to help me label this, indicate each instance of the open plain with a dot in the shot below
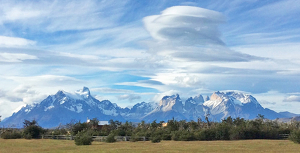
(65, 146)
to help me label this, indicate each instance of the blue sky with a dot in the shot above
(132, 51)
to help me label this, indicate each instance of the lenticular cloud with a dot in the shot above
(187, 25)
(190, 34)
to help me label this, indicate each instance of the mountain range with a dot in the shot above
(64, 107)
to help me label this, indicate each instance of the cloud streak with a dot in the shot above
(130, 97)
(292, 98)
(15, 41)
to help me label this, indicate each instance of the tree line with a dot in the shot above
(227, 129)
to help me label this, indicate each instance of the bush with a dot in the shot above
(134, 138)
(237, 133)
(183, 136)
(166, 136)
(155, 139)
(295, 136)
(32, 131)
(27, 136)
(110, 138)
(82, 138)
(78, 127)
(206, 134)
(222, 132)
(11, 135)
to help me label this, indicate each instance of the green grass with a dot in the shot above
(244, 146)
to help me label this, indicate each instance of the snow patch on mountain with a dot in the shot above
(50, 107)
(112, 112)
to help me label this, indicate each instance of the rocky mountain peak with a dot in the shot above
(170, 99)
(207, 98)
(198, 99)
(216, 96)
(171, 103)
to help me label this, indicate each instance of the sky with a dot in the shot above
(129, 51)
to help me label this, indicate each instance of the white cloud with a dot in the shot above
(292, 98)
(12, 57)
(278, 9)
(62, 15)
(146, 83)
(45, 80)
(14, 100)
(159, 96)
(111, 90)
(21, 14)
(185, 24)
(288, 51)
(15, 41)
(190, 33)
(80, 56)
(130, 97)
(276, 101)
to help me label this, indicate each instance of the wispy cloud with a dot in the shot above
(130, 97)
(44, 80)
(62, 15)
(292, 98)
(15, 41)
(111, 90)
(281, 8)
(12, 57)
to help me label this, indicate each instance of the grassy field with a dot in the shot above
(244, 146)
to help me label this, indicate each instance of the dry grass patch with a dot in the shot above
(65, 146)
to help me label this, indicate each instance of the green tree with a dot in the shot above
(32, 129)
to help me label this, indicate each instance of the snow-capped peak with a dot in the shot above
(237, 98)
(81, 94)
(85, 92)
(171, 103)
(241, 97)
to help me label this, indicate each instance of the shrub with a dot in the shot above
(175, 135)
(78, 127)
(186, 136)
(237, 133)
(295, 136)
(110, 138)
(11, 135)
(206, 134)
(134, 138)
(32, 131)
(27, 136)
(155, 139)
(83, 138)
(222, 132)
(183, 136)
(166, 136)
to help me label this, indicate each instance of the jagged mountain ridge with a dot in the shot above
(220, 105)
(64, 107)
